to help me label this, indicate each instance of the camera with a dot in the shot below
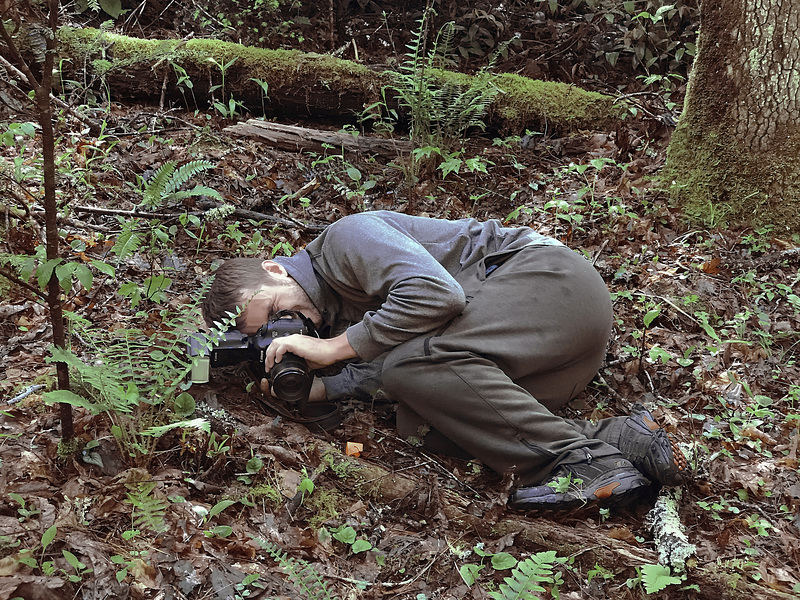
(290, 379)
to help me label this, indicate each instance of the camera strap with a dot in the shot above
(326, 416)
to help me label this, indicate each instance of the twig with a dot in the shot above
(11, 277)
(126, 213)
(249, 214)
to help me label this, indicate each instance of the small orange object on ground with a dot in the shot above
(353, 449)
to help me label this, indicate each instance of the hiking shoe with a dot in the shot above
(599, 481)
(650, 449)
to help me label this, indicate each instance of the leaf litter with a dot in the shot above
(702, 334)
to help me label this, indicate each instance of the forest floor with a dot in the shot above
(706, 334)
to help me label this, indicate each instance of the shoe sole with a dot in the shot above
(602, 497)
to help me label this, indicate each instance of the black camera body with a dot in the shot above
(290, 379)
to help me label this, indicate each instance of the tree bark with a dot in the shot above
(732, 158)
(42, 87)
(300, 84)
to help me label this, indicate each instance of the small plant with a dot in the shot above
(441, 108)
(164, 186)
(148, 508)
(133, 377)
(528, 576)
(349, 537)
(300, 572)
(653, 578)
(562, 485)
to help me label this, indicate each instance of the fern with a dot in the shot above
(527, 576)
(441, 109)
(164, 186)
(148, 509)
(301, 573)
(155, 188)
(128, 241)
(186, 172)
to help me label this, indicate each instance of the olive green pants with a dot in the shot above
(533, 334)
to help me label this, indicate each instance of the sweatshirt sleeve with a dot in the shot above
(358, 380)
(364, 258)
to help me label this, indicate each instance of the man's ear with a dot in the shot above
(273, 268)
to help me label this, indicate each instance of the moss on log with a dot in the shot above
(301, 83)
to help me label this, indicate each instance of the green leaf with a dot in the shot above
(345, 534)
(159, 430)
(222, 531)
(651, 315)
(184, 405)
(219, 507)
(503, 560)
(656, 577)
(45, 271)
(254, 465)
(84, 275)
(64, 275)
(73, 560)
(67, 397)
(112, 7)
(17, 498)
(49, 536)
(451, 165)
(470, 573)
(360, 546)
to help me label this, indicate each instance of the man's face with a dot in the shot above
(258, 309)
(286, 295)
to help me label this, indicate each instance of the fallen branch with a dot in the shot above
(297, 139)
(671, 539)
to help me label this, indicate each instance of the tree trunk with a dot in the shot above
(42, 88)
(196, 73)
(733, 156)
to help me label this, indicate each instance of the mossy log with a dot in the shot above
(589, 547)
(188, 72)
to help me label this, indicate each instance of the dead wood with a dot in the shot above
(298, 139)
(299, 84)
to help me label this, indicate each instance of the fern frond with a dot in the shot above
(128, 241)
(185, 173)
(156, 186)
(526, 577)
(148, 509)
(301, 573)
(103, 386)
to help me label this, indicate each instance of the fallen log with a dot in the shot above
(297, 139)
(160, 71)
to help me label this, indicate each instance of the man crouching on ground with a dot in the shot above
(479, 331)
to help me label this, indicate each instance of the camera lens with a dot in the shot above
(290, 379)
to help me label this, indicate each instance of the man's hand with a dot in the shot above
(317, 352)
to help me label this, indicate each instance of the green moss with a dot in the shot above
(265, 493)
(326, 505)
(256, 62)
(526, 99)
(523, 103)
(717, 183)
